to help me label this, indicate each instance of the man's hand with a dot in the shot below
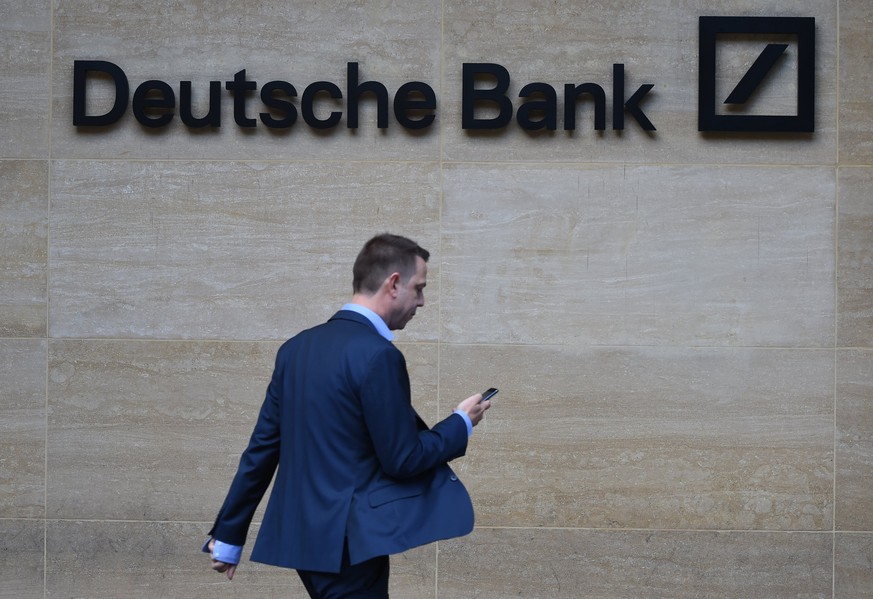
(221, 566)
(474, 409)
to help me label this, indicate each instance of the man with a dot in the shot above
(360, 476)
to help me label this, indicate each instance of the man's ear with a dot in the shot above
(392, 284)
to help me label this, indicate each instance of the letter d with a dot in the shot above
(122, 92)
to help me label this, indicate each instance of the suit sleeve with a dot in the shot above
(403, 448)
(256, 468)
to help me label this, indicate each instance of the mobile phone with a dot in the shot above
(488, 394)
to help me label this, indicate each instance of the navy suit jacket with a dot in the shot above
(352, 459)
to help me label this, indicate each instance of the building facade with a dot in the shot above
(680, 321)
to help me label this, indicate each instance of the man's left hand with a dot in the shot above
(221, 566)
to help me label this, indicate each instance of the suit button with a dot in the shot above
(453, 477)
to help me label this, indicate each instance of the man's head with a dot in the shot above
(390, 274)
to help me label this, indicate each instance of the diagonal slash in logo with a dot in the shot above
(756, 73)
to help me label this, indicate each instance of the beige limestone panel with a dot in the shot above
(855, 259)
(235, 250)
(853, 566)
(638, 255)
(668, 438)
(153, 430)
(856, 83)
(565, 42)
(149, 430)
(94, 559)
(422, 362)
(298, 42)
(22, 559)
(25, 61)
(497, 563)
(854, 419)
(22, 428)
(23, 248)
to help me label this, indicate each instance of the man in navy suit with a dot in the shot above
(358, 474)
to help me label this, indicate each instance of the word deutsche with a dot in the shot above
(154, 101)
(414, 104)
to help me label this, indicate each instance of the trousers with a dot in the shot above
(367, 580)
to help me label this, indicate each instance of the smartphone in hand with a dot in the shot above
(488, 394)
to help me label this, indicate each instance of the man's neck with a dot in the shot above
(373, 317)
(370, 302)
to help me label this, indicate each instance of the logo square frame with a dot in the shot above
(802, 27)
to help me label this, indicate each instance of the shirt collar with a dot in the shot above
(377, 321)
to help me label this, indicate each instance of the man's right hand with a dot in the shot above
(474, 407)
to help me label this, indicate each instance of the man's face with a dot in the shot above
(410, 296)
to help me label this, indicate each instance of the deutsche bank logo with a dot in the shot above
(765, 47)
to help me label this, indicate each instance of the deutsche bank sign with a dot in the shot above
(789, 31)
(768, 45)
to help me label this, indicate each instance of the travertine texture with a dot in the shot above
(625, 255)
(23, 247)
(145, 418)
(853, 576)
(25, 68)
(22, 428)
(680, 323)
(22, 550)
(658, 564)
(854, 434)
(226, 250)
(22, 468)
(103, 550)
(855, 257)
(645, 437)
(856, 81)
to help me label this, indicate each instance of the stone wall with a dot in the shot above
(680, 323)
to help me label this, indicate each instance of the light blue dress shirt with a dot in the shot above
(230, 554)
